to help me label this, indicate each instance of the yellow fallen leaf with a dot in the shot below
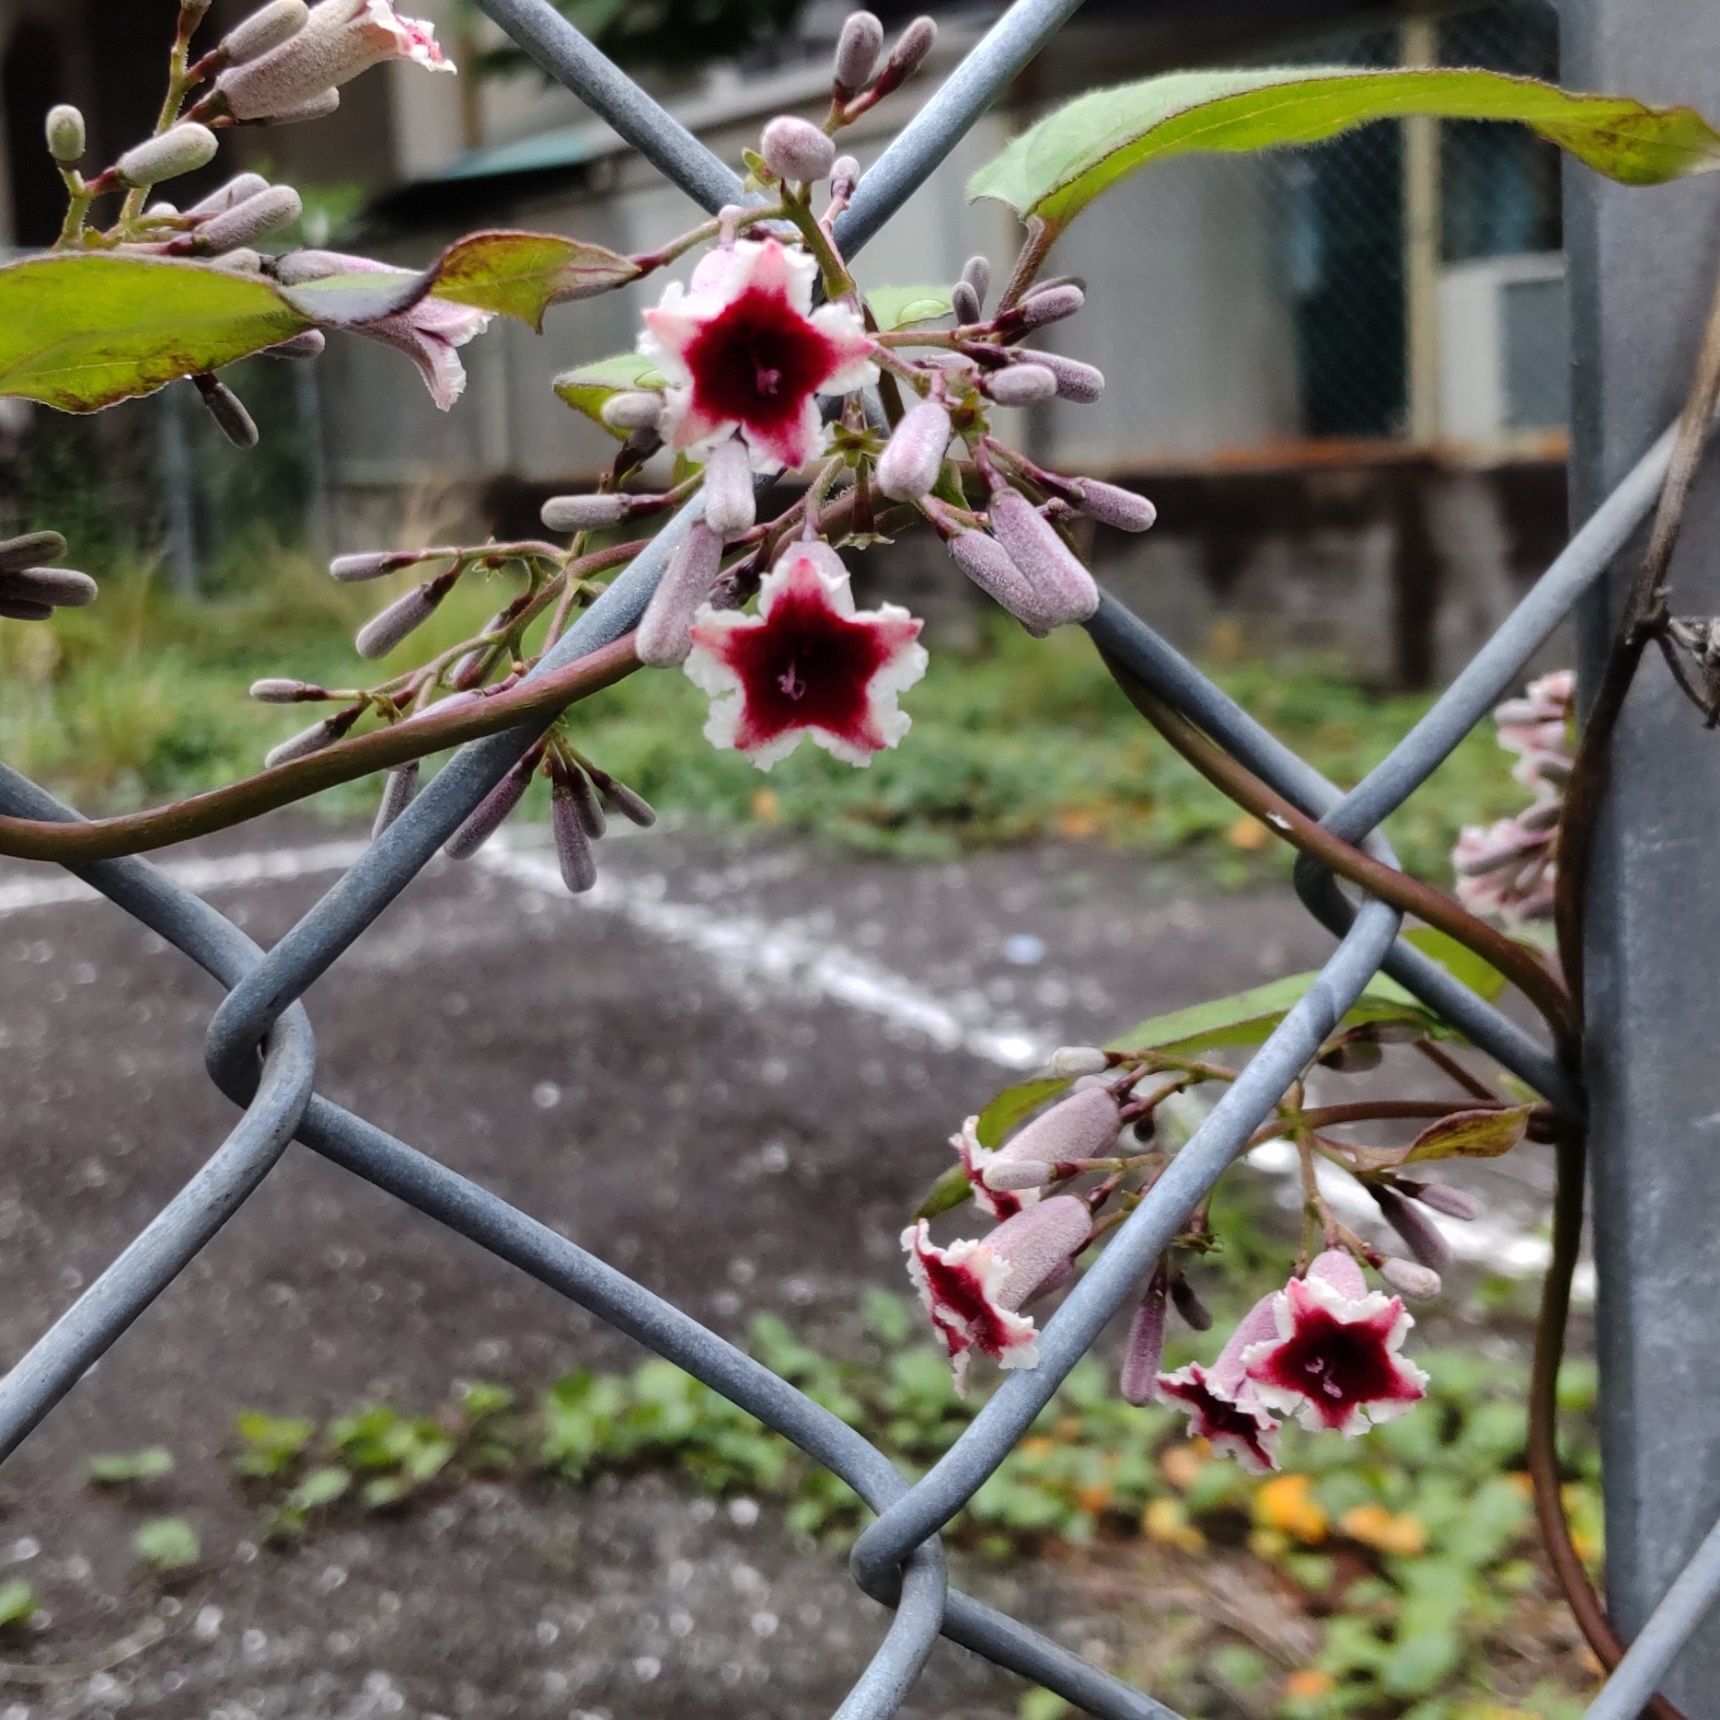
(1165, 1520)
(1248, 834)
(1307, 1681)
(1182, 1465)
(1374, 1526)
(1286, 1503)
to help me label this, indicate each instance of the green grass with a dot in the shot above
(141, 698)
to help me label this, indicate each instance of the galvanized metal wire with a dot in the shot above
(261, 1052)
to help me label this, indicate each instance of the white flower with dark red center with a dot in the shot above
(340, 39)
(1000, 1203)
(1221, 1403)
(744, 350)
(429, 332)
(974, 1289)
(1333, 1361)
(808, 665)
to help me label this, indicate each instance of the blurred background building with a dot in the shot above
(1341, 372)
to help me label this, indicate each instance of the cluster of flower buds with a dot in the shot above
(863, 74)
(30, 588)
(1509, 869)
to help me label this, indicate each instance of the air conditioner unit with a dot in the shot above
(1503, 354)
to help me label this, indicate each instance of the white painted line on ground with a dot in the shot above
(217, 872)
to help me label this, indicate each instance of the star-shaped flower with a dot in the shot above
(974, 1289)
(1334, 1362)
(744, 349)
(807, 665)
(1221, 1403)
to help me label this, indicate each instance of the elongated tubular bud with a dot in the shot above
(316, 107)
(1021, 385)
(910, 50)
(1411, 1278)
(280, 690)
(665, 633)
(228, 411)
(65, 130)
(572, 839)
(1083, 1126)
(1074, 1060)
(1049, 305)
(1442, 1197)
(1194, 1312)
(796, 149)
(583, 513)
(1112, 505)
(384, 630)
(964, 301)
(857, 51)
(633, 409)
(976, 272)
(309, 344)
(1420, 1234)
(1062, 588)
(398, 789)
(986, 562)
(266, 28)
(180, 149)
(58, 587)
(623, 801)
(914, 455)
(228, 196)
(1076, 381)
(279, 206)
(374, 563)
(487, 818)
(730, 508)
(307, 741)
(583, 793)
(1144, 1349)
(29, 549)
(22, 609)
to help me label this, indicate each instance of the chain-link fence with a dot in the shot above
(260, 1049)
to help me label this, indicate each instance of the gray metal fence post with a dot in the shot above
(1642, 264)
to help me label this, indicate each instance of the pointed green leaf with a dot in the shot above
(1057, 167)
(1471, 1135)
(167, 1543)
(17, 1601)
(1458, 960)
(523, 274)
(947, 1193)
(1014, 1104)
(82, 332)
(897, 307)
(589, 386)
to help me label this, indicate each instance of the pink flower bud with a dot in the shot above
(228, 411)
(278, 206)
(729, 503)
(182, 148)
(370, 564)
(1074, 1060)
(31, 547)
(21, 609)
(964, 301)
(914, 456)
(1063, 590)
(1442, 1197)
(1112, 505)
(844, 174)
(583, 792)
(398, 789)
(665, 634)
(1411, 1279)
(493, 809)
(1420, 1234)
(235, 191)
(1194, 1313)
(857, 51)
(633, 409)
(1081, 383)
(305, 742)
(795, 149)
(572, 840)
(58, 587)
(278, 690)
(582, 513)
(319, 106)
(1021, 385)
(912, 46)
(623, 801)
(976, 274)
(266, 28)
(1049, 305)
(986, 562)
(384, 630)
(1144, 1349)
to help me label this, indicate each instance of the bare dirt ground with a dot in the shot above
(706, 1073)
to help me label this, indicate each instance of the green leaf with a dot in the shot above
(1057, 167)
(351, 301)
(321, 1487)
(17, 1601)
(118, 1468)
(82, 332)
(1471, 1135)
(1458, 960)
(897, 307)
(588, 387)
(167, 1544)
(522, 274)
(1014, 1104)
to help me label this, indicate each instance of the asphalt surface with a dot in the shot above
(728, 1071)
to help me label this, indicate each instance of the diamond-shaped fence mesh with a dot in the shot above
(261, 1052)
